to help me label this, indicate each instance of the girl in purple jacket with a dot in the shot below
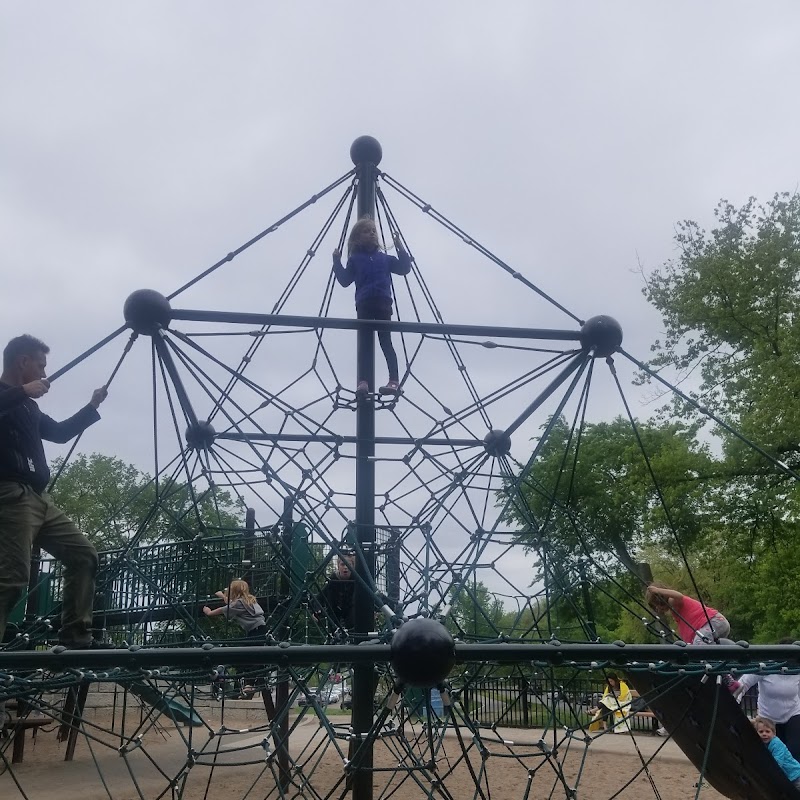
(371, 270)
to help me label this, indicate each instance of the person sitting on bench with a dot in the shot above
(615, 705)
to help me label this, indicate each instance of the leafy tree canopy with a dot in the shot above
(111, 501)
(475, 612)
(730, 304)
(595, 495)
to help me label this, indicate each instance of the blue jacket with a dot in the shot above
(786, 761)
(372, 273)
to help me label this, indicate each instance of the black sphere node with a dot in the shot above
(200, 435)
(602, 333)
(423, 652)
(147, 311)
(497, 443)
(366, 150)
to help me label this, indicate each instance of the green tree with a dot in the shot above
(115, 504)
(596, 496)
(104, 497)
(112, 501)
(475, 613)
(730, 304)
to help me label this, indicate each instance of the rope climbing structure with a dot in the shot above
(460, 617)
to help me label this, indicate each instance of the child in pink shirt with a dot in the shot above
(697, 623)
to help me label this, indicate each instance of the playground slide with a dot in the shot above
(166, 705)
(711, 728)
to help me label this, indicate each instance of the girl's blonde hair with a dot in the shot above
(767, 723)
(239, 590)
(656, 601)
(364, 236)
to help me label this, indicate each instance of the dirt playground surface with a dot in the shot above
(234, 766)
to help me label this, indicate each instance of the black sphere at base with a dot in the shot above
(497, 443)
(366, 150)
(423, 652)
(602, 334)
(200, 435)
(146, 311)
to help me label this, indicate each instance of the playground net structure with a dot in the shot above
(269, 466)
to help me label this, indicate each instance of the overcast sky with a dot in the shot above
(140, 142)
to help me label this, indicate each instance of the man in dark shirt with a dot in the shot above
(336, 599)
(27, 513)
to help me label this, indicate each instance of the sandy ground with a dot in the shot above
(233, 764)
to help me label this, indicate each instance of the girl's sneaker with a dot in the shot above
(392, 387)
(362, 388)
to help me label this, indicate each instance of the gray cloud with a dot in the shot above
(140, 143)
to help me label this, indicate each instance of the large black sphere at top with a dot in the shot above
(497, 443)
(146, 311)
(366, 150)
(423, 652)
(601, 334)
(200, 435)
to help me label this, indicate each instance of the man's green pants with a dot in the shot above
(28, 519)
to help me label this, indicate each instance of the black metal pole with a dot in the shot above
(366, 154)
(643, 657)
(166, 359)
(393, 550)
(401, 326)
(578, 360)
(591, 628)
(32, 604)
(249, 545)
(330, 438)
(282, 678)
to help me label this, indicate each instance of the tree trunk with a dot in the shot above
(641, 570)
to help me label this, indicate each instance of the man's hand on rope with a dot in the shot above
(36, 389)
(98, 395)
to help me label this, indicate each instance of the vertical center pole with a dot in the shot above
(591, 628)
(249, 540)
(366, 155)
(282, 678)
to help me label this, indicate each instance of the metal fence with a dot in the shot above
(155, 593)
(521, 702)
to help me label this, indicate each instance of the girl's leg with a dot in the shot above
(385, 339)
(364, 311)
(384, 311)
(258, 683)
(718, 628)
(706, 634)
(603, 715)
